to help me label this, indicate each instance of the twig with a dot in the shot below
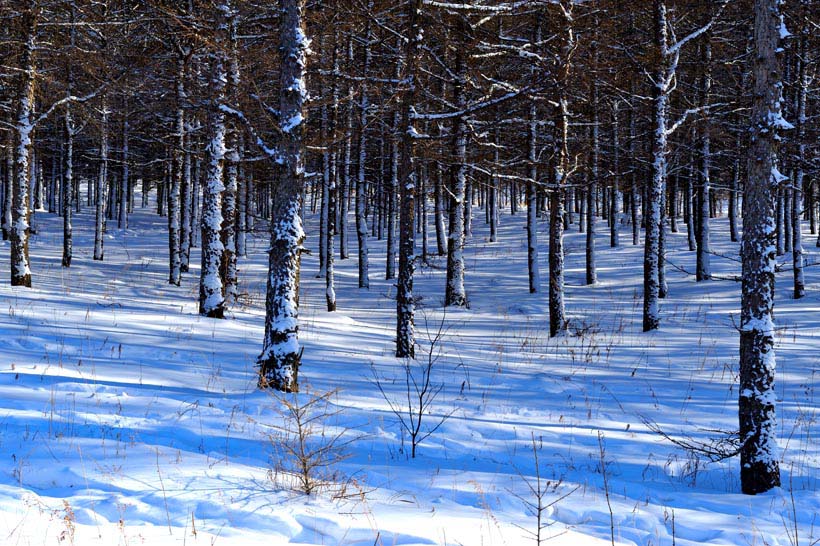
(602, 454)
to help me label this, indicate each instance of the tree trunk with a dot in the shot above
(186, 214)
(591, 270)
(177, 180)
(21, 208)
(67, 187)
(703, 268)
(617, 194)
(361, 178)
(455, 294)
(635, 191)
(8, 185)
(759, 468)
(734, 189)
(211, 296)
(797, 198)
(125, 180)
(281, 354)
(228, 267)
(664, 78)
(560, 173)
(405, 304)
(441, 230)
(101, 191)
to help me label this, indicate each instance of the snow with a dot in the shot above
(776, 120)
(292, 122)
(127, 418)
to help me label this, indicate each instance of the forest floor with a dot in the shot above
(126, 418)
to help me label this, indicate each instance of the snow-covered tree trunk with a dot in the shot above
(242, 198)
(228, 267)
(439, 207)
(592, 189)
(125, 174)
(324, 209)
(407, 91)
(689, 210)
(803, 82)
(780, 222)
(759, 467)
(468, 208)
(211, 296)
(361, 177)
(560, 171)
(177, 180)
(332, 177)
(424, 211)
(703, 267)
(281, 352)
(787, 215)
(492, 194)
(53, 184)
(101, 185)
(734, 190)
(346, 179)
(67, 188)
(672, 200)
(20, 205)
(635, 189)
(390, 198)
(330, 279)
(187, 202)
(663, 286)
(532, 203)
(664, 80)
(8, 185)
(616, 203)
(455, 293)
(196, 202)
(582, 209)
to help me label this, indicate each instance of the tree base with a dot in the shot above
(280, 374)
(21, 280)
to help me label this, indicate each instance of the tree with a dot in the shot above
(281, 354)
(24, 126)
(561, 168)
(408, 87)
(211, 296)
(759, 468)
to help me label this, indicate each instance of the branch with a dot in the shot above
(272, 153)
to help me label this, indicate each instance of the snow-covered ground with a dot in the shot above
(126, 418)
